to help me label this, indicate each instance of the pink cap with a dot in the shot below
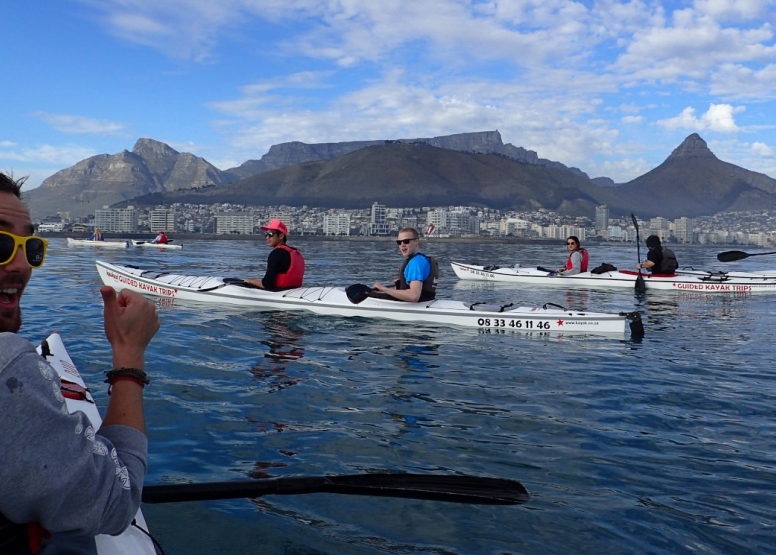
(276, 225)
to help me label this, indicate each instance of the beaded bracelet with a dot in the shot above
(125, 372)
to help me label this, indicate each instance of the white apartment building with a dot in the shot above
(378, 224)
(564, 231)
(336, 224)
(116, 220)
(241, 223)
(162, 219)
(453, 222)
(601, 218)
(683, 230)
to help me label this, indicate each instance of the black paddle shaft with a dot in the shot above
(640, 285)
(455, 489)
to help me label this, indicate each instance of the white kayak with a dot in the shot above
(353, 301)
(167, 246)
(133, 541)
(682, 281)
(100, 244)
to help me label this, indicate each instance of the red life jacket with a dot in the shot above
(295, 274)
(585, 258)
(162, 239)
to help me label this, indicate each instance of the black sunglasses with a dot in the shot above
(34, 248)
(270, 234)
(405, 241)
(571, 243)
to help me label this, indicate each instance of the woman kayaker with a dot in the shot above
(285, 265)
(160, 239)
(577, 260)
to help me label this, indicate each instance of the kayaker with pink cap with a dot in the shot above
(285, 265)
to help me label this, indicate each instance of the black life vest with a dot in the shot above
(669, 263)
(428, 292)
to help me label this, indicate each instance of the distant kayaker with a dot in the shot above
(97, 236)
(285, 265)
(60, 475)
(160, 239)
(660, 259)
(418, 274)
(578, 258)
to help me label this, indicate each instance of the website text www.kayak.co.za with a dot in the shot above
(142, 286)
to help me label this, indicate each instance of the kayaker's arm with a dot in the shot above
(411, 295)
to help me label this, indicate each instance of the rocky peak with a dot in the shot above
(692, 147)
(149, 148)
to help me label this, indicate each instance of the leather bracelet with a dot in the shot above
(126, 372)
(123, 378)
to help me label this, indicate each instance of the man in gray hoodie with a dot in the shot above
(58, 476)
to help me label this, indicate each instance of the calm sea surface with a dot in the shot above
(664, 445)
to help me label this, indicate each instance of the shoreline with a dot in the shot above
(180, 238)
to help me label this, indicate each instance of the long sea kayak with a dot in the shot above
(688, 280)
(134, 540)
(354, 301)
(149, 244)
(97, 244)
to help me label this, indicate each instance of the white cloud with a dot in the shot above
(76, 125)
(719, 117)
(761, 149)
(632, 119)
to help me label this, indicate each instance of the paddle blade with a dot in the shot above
(455, 489)
(640, 285)
(732, 256)
(357, 292)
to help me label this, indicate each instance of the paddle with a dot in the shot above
(455, 489)
(357, 292)
(140, 242)
(732, 256)
(640, 285)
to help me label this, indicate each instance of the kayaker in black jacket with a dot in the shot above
(660, 259)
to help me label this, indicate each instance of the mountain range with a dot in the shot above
(472, 169)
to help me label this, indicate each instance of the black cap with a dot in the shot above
(653, 241)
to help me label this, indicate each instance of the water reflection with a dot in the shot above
(283, 341)
(414, 385)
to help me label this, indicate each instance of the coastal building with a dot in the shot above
(116, 220)
(162, 219)
(336, 224)
(237, 223)
(378, 224)
(601, 217)
(683, 230)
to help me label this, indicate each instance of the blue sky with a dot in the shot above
(609, 87)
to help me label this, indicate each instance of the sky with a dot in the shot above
(608, 87)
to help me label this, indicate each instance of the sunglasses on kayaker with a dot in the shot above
(34, 248)
(405, 241)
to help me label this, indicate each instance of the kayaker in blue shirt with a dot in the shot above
(418, 275)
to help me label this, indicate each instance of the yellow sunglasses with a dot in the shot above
(34, 248)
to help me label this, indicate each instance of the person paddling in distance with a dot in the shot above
(418, 274)
(97, 236)
(660, 259)
(160, 239)
(61, 480)
(285, 264)
(578, 258)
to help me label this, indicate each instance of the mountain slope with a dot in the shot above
(106, 179)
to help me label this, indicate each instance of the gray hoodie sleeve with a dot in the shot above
(55, 468)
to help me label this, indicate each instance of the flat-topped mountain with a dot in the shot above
(407, 174)
(482, 142)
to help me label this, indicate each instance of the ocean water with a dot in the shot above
(660, 445)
